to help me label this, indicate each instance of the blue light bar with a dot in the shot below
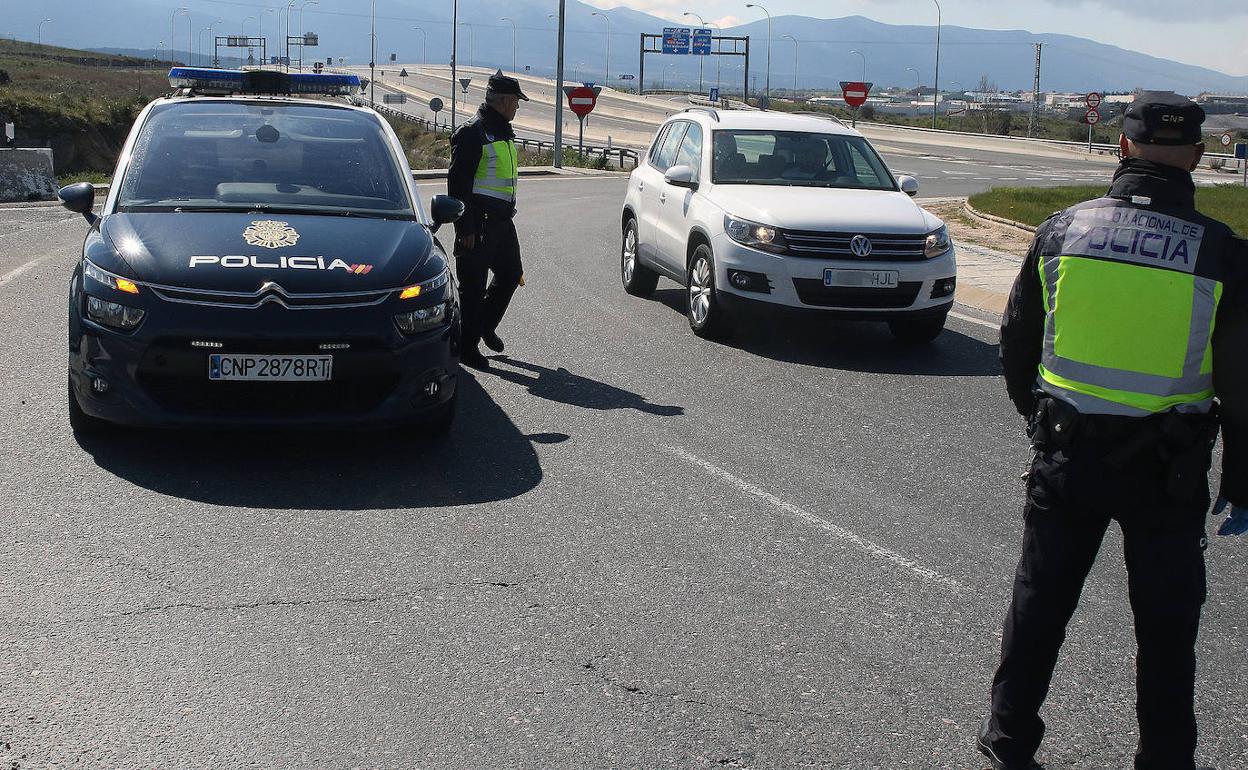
(205, 80)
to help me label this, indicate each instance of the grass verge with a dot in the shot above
(1032, 205)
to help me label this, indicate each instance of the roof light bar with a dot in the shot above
(204, 80)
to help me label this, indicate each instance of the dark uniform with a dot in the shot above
(483, 175)
(1124, 345)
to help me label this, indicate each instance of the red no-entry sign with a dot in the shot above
(855, 94)
(1093, 117)
(582, 99)
(1093, 99)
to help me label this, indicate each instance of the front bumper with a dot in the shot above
(157, 378)
(797, 284)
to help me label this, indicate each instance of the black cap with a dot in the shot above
(1163, 117)
(501, 84)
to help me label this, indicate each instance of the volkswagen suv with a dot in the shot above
(781, 212)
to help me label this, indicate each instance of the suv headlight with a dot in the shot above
(102, 276)
(421, 319)
(937, 243)
(753, 234)
(112, 314)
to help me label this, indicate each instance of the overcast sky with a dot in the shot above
(1210, 33)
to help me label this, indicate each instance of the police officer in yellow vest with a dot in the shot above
(1125, 343)
(483, 175)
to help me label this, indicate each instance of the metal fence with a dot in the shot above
(617, 157)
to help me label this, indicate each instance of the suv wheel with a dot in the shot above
(638, 279)
(706, 315)
(918, 331)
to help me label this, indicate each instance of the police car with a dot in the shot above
(771, 212)
(262, 259)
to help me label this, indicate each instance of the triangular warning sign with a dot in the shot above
(403, 73)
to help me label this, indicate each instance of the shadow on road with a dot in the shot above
(484, 459)
(852, 345)
(567, 388)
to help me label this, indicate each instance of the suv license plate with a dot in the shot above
(257, 367)
(871, 279)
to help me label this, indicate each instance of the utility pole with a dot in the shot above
(559, 86)
(936, 76)
(1035, 95)
(454, 57)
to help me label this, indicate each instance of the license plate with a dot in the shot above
(871, 279)
(257, 367)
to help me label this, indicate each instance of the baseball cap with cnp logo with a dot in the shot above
(1163, 117)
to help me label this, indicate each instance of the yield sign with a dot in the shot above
(582, 99)
(464, 83)
(855, 94)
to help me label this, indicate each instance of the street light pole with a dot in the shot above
(424, 44)
(372, 58)
(454, 57)
(918, 89)
(864, 64)
(767, 82)
(173, 17)
(265, 47)
(306, 3)
(936, 77)
(559, 85)
(796, 61)
(606, 18)
(290, 5)
(39, 32)
(472, 44)
(513, 42)
(213, 40)
(701, 21)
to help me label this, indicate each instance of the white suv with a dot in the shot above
(774, 211)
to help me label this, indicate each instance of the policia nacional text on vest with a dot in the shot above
(1125, 344)
(483, 174)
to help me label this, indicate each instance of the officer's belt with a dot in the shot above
(1058, 425)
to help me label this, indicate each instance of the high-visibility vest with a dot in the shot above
(497, 171)
(1129, 322)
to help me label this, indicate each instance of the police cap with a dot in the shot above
(501, 84)
(1163, 117)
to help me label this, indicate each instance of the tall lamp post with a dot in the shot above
(607, 19)
(213, 41)
(289, 5)
(424, 44)
(513, 42)
(172, 18)
(266, 42)
(306, 3)
(372, 57)
(767, 82)
(918, 88)
(936, 78)
(701, 21)
(864, 64)
(472, 45)
(242, 32)
(796, 61)
(39, 31)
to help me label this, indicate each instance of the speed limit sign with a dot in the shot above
(1093, 99)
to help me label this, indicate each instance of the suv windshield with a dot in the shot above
(221, 155)
(798, 159)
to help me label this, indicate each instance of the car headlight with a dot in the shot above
(105, 278)
(423, 288)
(112, 314)
(753, 234)
(937, 243)
(421, 319)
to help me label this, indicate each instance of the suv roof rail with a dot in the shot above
(824, 115)
(714, 113)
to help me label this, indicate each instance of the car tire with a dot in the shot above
(919, 331)
(638, 279)
(439, 424)
(707, 318)
(81, 423)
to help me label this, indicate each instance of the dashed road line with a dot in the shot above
(9, 276)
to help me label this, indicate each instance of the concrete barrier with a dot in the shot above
(26, 175)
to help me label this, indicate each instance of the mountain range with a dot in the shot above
(894, 54)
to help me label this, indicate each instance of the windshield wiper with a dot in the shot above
(265, 209)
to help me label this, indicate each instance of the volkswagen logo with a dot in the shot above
(860, 245)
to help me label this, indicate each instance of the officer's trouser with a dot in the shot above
(1072, 496)
(498, 250)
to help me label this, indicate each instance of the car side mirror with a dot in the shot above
(445, 210)
(909, 185)
(80, 199)
(681, 176)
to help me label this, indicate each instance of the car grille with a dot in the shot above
(271, 292)
(175, 375)
(811, 291)
(885, 247)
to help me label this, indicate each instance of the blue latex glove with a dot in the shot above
(1236, 522)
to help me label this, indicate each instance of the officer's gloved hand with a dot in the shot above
(1236, 522)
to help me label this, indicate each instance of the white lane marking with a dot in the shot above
(974, 320)
(868, 547)
(9, 276)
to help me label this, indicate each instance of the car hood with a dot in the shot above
(824, 209)
(223, 251)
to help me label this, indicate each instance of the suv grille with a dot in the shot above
(885, 247)
(811, 291)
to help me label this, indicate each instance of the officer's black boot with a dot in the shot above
(981, 743)
(493, 341)
(473, 358)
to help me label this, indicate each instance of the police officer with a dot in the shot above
(1123, 343)
(483, 176)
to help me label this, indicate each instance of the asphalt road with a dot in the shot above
(637, 549)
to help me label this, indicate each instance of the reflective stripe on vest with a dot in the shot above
(1128, 324)
(496, 173)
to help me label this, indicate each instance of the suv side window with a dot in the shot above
(658, 142)
(664, 158)
(690, 153)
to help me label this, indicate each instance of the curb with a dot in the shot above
(996, 219)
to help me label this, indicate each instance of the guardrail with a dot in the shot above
(619, 156)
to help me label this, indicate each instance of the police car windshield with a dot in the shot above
(797, 159)
(213, 154)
